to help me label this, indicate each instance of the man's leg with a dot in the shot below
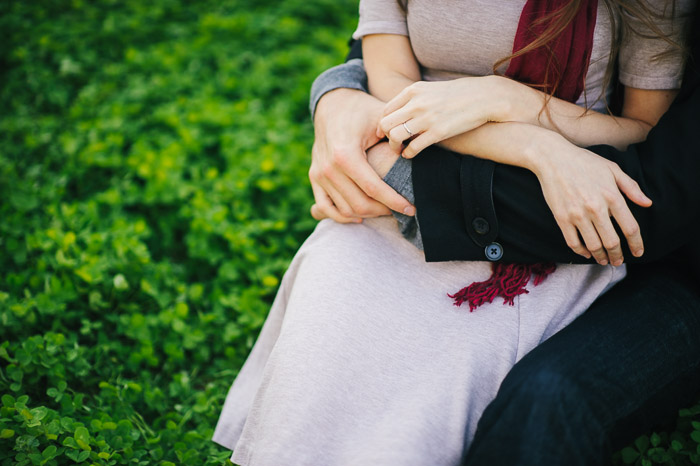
(630, 361)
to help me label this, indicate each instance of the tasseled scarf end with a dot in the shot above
(506, 281)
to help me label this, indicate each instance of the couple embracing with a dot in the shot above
(466, 298)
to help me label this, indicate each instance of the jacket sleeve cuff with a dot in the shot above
(399, 177)
(350, 75)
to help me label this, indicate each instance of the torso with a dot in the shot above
(453, 39)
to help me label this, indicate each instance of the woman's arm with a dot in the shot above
(390, 64)
(641, 110)
(582, 190)
(439, 111)
(665, 166)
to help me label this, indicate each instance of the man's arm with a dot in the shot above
(453, 191)
(344, 112)
(345, 187)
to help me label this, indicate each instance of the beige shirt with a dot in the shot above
(457, 38)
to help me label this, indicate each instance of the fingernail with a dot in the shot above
(603, 262)
(618, 262)
(638, 253)
(410, 211)
(358, 220)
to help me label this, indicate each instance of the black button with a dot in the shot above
(493, 251)
(481, 226)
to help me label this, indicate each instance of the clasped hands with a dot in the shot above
(582, 189)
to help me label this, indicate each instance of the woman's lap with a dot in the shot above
(365, 359)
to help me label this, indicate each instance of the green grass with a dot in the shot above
(153, 160)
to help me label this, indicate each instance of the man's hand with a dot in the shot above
(584, 192)
(346, 188)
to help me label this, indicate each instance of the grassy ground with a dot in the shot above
(153, 160)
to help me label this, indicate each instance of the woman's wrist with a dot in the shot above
(515, 102)
(503, 107)
(539, 147)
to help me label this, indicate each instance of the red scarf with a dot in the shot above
(571, 50)
(571, 54)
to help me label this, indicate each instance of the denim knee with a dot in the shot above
(547, 390)
(542, 415)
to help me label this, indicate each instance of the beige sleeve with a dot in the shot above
(381, 17)
(648, 61)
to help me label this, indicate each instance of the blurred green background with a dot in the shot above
(153, 186)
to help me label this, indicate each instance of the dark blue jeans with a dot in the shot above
(628, 363)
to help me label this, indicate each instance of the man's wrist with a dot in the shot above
(330, 100)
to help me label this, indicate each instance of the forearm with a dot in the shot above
(390, 64)
(388, 85)
(511, 143)
(585, 127)
(665, 166)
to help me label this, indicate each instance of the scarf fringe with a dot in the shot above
(506, 281)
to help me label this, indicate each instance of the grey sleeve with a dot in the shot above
(349, 75)
(400, 178)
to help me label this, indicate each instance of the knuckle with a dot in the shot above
(573, 244)
(372, 190)
(612, 244)
(575, 216)
(345, 211)
(598, 253)
(319, 213)
(313, 174)
(340, 157)
(610, 196)
(595, 246)
(632, 230)
(617, 202)
(364, 209)
(591, 206)
(328, 172)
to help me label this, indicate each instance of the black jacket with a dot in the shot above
(465, 204)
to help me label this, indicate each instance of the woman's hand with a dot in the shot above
(584, 191)
(429, 112)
